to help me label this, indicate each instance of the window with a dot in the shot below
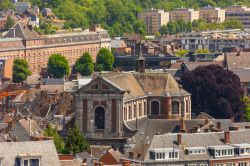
(173, 155)
(224, 152)
(155, 108)
(203, 164)
(175, 107)
(218, 164)
(27, 162)
(191, 164)
(230, 164)
(187, 106)
(129, 112)
(135, 111)
(242, 164)
(140, 109)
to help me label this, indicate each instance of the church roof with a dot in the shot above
(146, 84)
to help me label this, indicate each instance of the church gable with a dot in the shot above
(100, 85)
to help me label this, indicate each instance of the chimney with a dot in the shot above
(218, 125)
(227, 137)
(182, 125)
(179, 142)
(126, 163)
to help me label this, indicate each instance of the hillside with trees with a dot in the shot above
(118, 16)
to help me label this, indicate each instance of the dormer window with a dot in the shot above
(164, 154)
(222, 151)
(28, 160)
(242, 149)
(196, 150)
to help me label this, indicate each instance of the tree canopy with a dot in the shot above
(20, 70)
(58, 140)
(75, 141)
(104, 60)
(9, 23)
(118, 16)
(180, 53)
(215, 91)
(58, 66)
(246, 101)
(84, 65)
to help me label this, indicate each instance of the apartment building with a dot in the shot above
(183, 14)
(212, 14)
(23, 42)
(154, 19)
(241, 13)
(215, 41)
(224, 148)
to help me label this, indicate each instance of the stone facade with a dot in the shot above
(107, 103)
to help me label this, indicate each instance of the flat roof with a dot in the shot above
(221, 147)
(244, 145)
(165, 150)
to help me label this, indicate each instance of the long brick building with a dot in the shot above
(22, 41)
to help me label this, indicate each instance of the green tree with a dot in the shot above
(180, 53)
(105, 60)
(58, 140)
(20, 70)
(164, 30)
(10, 22)
(75, 141)
(246, 101)
(5, 4)
(232, 24)
(203, 51)
(84, 65)
(58, 66)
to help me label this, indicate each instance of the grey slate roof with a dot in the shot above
(45, 149)
(21, 30)
(244, 74)
(150, 127)
(53, 81)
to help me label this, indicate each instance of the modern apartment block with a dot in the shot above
(154, 19)
(241, 13)
(212, 14)
(184, 14)
(23, 42)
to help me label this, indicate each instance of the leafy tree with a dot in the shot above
(84, 65)
(246, 101)
(58, 140)
(20, 70)
(5, 4)
(164, 30)
(215, 91)
(75, 141)
(10, 22)
(58, 66)
(232, 24)
(203, 51)
(105, 60)
(180, 53)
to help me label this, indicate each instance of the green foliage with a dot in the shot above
(46, 28)
(20, 70)
(180, 53)
(5, 4)
(232, 24)
(10, 22)
(246, 101)
(84, 65)
(104, 60)
(202, 51)
(58, 140)
(120, 16)
(58, 66)
(75, 141)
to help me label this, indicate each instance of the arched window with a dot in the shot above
(187, 106)
(140, 109)
(175, 107)
(135, 111)
(129, 112)
(99, 117)
(155, 108)
(145, 108)
(125, 113)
